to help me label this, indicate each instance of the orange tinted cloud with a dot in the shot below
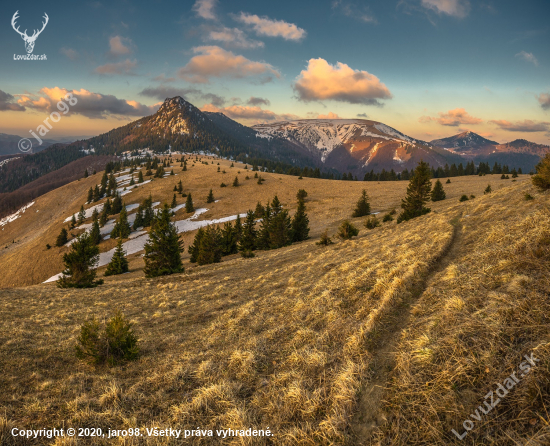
(329, 115)
(544, 100)
(125, 67)
(340, 82)
(214, 61)
(453, 118)
(522, 126)
(272, 28)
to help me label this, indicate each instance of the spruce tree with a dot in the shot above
(73, 221)
(210, 198)
(180, 187)
(210, 247)
(418, 193)
(62, 238)
(279, 226)
(80, 264)
(260, 210)
(132, 181)
(119, 262)
(438, 193)
(95, 233)
(238, 228)
(140, 177)
(363, 207)
(189, 204)
(81, 215)
(95, 215)
(228, 240)
(301, 195)
(86, 173)
(542, 179)
(117, 205)
(247, 243)
(164, 248)
(104, 217)
(96, 195)
(122, 227)
(236, 182)
(346, 230)
(488, 190)
(300, 222)
(174, 202)
(194, 248)
(90, 195)
(262, 241)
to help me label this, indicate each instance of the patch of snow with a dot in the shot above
(15, 215)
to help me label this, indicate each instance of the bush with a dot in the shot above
(393, 211)
(347, 230)
(448, 181)
(223, 185)
(247, 254)
(488, 190)
(372, 222)
(387, 217)
(325, 240)
(472, 197)
(463, 198)
(528, 197)
(113, 343)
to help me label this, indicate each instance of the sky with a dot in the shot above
(429, 68)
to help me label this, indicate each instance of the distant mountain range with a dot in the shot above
(8, 143)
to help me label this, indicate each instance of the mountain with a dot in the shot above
(473, 147)
(8, 144)
(354, 145)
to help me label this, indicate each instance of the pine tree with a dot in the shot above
(236, 182)
(95, 215)
(95, 233)
(346, 230)
(81, 215)
(279, 226)
(448, 181)
(90, 195)
(325, 240)
(140, 177)
(438, 193)
(300, 222)
(122, 227)
(488, 190)
(104, 217)
(210, 198)
(194, 248)
(119, 262)
(86, 173)
(301, 195)
(363, 207)
(62, 238)
(189, 204)
(418, 194)
(116, 206)
(73, 221)
(96, 195)
(247, 243)
(210, 248)
(228, 240)
(164, 248)
(542, 179)
(180, 187)
(262, 241)
(132, 181)
(238, 228)
(174, 202)
(80, 264)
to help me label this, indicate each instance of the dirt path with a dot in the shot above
(369, 414)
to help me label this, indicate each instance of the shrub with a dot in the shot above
(528, 197)
(48, 246)
(448, 181)
(463, 198)
(372, 222)
(488, 190)
(472, 197)
(223, 185)
(113, 343)
(62, 238)
(393, 211)
(347, 230)
(387, 217)
(325, 240)
(247, 254)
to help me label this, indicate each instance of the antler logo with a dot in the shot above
(29, 40)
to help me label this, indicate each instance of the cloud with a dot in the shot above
(89, 104)
(453, 118)
(454, 8)
(339, 82)
(125, 67)
(7, 103)
(189, 94)
(354, 11)
(249, 115)
(162, 78)
(528, 57)
(119, 46)
(257, 101)
(544, 100)
(272, 28)
(362, 115)
(69, 53)
(214, 61)
(233, 37)
(527, 126)
(205, 9)
(329, 115)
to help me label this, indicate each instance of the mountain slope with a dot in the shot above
(464, 141)
(356, 145)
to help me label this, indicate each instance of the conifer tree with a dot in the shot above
(247, 243)
(301, 195)
(363, 206)
(488, 190)
(210, 198)
(238, 228)
(542, 179)
(236, 182)
(90, 195)
(132, 181)
(140, 177)
(325, 240)
(81, 215)
(164, 248)
(180, 187)
(260, 210)
(62, 238)
(448, 181)
(418, 194)
(228, 239)
(279, 226)
(116, 206)
(95, 215)
(96, 195)
(262, 241)
(174, 202)
(80, 264)
(104, 180)
(86, 173)
(122, 227)
(194, 248)
(189, 204)
(95, 233)
(73, 221)
(438, 193)
(300, 222)
(104, 217)
(346, 230)
(119, 262)
(210, 248)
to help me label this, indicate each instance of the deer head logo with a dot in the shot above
(29, 40)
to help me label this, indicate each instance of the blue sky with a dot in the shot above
(430, 68)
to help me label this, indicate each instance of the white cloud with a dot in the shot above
(272, 28)
(205, 9)
(354, 11)
(119, 46)
(453, 118)
(455, 8)
(233, 37)
(528, 57)
(213, 61)
(125, 67)
(321, 81)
